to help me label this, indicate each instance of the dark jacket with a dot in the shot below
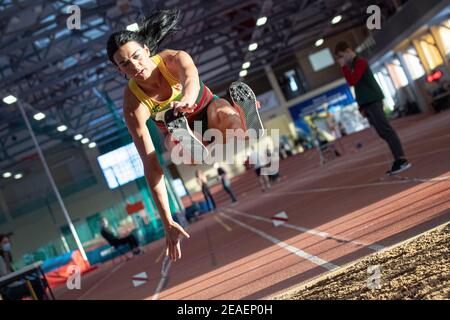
(109, 236)
(359, 75)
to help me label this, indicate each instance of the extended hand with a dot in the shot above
(173, 233)
(182, 106)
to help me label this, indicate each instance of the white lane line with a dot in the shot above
(164, 278)
(223, 224)
(437, 179)
(356, 186)
(316, 260)
(326, 235)
(339, 166)
(379, 163)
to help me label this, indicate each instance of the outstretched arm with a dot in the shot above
(181, 64)
(188, 75)
(136, 116)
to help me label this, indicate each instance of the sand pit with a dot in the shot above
(418, 268)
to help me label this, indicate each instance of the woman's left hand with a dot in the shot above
(183, 106)
(173, 233)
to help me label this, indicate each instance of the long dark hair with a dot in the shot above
(152, 31)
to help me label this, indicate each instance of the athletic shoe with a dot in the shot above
(399, 166)
(178, 127)
(244, 101)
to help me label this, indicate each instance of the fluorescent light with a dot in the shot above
(85, 140)
(78, 137)
(246, 65)
(336, 19)
(261, 21)
(243, 73)
(133, 27)
(39, 116)
(9, 99)
(319, 42)
(18, 176)
(7, 174)
(253, 47)
(92, 145)
(62, 128)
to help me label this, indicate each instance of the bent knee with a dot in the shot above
(221, 109)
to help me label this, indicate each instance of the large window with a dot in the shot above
(397, 74)
(413, 63)
(430, 51)
(291, 84)
(444, 32)
(321, 60)
(385, 82)
(290, 78)
(290, 75)
(121, 166)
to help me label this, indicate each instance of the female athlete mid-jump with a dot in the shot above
(164, 86)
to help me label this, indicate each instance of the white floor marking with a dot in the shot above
(325, 235)
(316, 260)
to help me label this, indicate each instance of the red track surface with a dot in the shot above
(233, 256)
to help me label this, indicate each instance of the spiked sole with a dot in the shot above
(244, 98)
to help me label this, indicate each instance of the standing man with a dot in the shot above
(370, 100)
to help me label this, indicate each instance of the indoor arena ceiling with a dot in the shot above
(65, 74)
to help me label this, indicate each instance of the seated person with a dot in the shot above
(115, 241)
(18, 289)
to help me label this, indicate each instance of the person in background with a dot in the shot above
(342, 129)
(226, 183)
(271, 155)
(115, 241)
(285, 148)
(440, 94)
(203, 182)
(333, 126)
(18, 289)
(370, 100)
(257, 161)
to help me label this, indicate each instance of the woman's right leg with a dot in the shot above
(240, 118)
(222, 116)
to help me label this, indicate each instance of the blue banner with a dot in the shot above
(338, 97)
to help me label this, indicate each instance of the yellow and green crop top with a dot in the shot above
(205, 96)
